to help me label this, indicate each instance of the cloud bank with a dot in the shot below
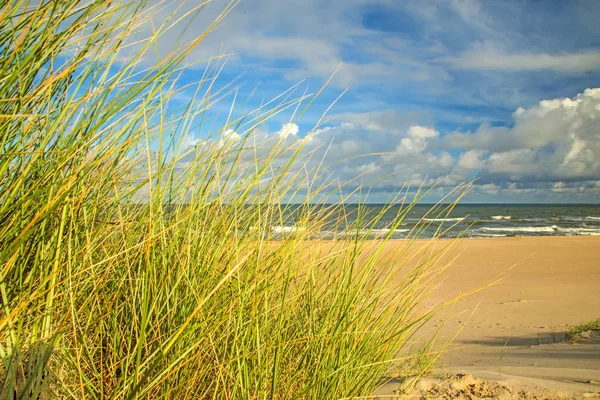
(552, 148)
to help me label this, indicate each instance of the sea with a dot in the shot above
(464, 220)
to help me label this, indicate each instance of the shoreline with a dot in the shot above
(559, 237)
(424, 239)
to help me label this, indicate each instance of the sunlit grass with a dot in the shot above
(136, 267)
(575, 332)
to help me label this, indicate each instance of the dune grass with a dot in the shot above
(134, 266)
(575, 332)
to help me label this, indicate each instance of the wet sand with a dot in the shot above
(511, 333)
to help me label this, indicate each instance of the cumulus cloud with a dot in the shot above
(229, 136)
(416, 140)
(557, 139)
(288, 129)
(471, 159)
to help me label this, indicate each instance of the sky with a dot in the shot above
(436, 91)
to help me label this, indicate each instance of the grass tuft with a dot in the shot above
(137, 264)
(575, 332)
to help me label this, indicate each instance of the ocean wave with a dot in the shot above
(375, 232)
(543, 229)
(327, 234)
(581, 231)
(287, 229)
(444, 219)
(572, 219)
(530, 229)
(500, 217)
(577, 219)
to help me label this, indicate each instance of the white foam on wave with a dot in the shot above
(386, 230)
(327, 234)
(578, 219)
(376, 232)
(546, 229)
(287, 229)
(582, 231)
(444, 219)
(501, 217)
(573, 219)
(533, 219)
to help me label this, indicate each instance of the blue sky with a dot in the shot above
(450, 90)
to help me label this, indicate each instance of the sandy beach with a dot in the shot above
(511, 334)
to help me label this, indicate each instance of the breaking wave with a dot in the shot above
(287, 229)
(543, 229)
(375, 232)
(521, 229)
(444, 219)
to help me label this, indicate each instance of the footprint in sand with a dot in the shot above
(514, 302)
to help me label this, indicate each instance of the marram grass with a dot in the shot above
(133, 266)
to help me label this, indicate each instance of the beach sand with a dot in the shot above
(510, 335)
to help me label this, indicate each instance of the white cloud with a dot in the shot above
(471, 159)
(416, 140)
(515, 163)
(557, 139)
(445, 160)
(190, 141)
(289, 129)
(490, 188)
(488, 57)
(565, 127)
(228, 137)
(486, 137)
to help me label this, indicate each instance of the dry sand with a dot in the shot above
(511, 343)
